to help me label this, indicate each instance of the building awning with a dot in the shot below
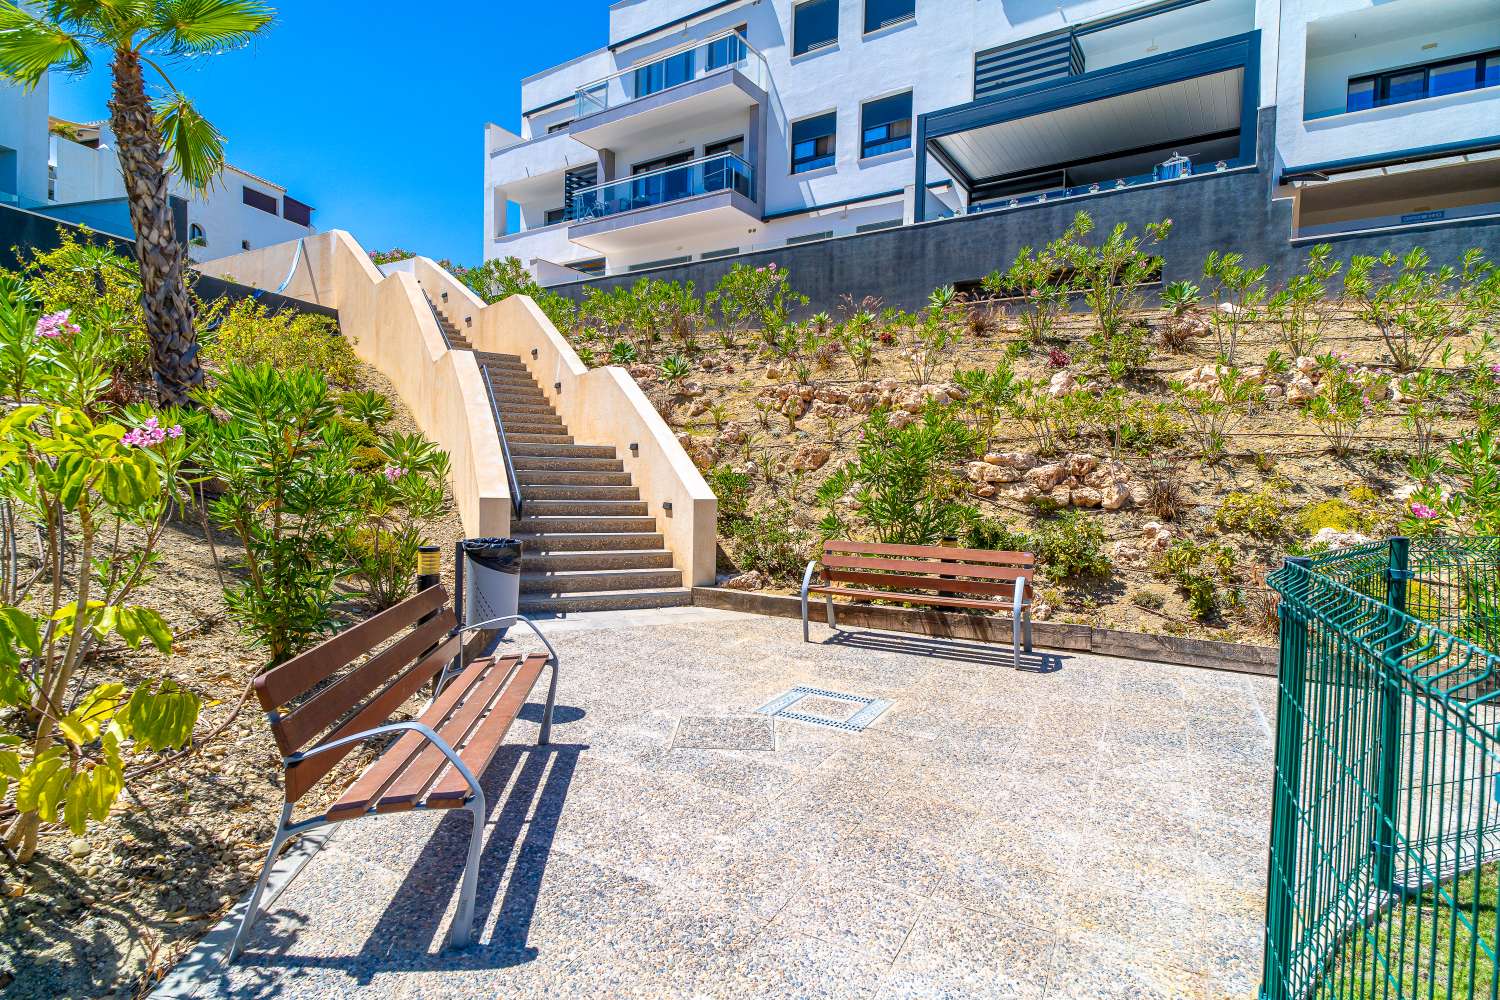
(1114, 125)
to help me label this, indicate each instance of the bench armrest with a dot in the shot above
(507, 621)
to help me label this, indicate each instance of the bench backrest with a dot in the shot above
(982, 572)
(312, 699)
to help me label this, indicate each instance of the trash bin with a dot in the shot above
(491, 578)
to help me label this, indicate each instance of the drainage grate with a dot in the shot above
(851, 713)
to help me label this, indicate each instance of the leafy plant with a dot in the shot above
(1416, 307)
(675, 370)
(1070, 547)
(732, 489)
(770, 542)
(901, 479)
(369, 408)
(1259, 513)
(1040, 282)
(1179, 298)
(987, 397)
(1299, 312)
(1341, 404)
(251, 334)
(392, 504)
(748, 296)
(1212, 413)
(1239, 293)
(1112, 273)
(499, 278)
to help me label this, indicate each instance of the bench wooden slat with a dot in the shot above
(933, 599)
(295, 730)
(921, 582)
(301, 775)
(931, 552)
(451, 790)
(980, 570)
(482, 680)
(302, 672)
(368, 786)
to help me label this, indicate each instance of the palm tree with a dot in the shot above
(154, 137)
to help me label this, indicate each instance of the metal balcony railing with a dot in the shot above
(720, 172)
(719, 53)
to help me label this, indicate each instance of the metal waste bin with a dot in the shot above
(489, 578)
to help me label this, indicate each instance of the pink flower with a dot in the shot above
(393, 473)
(54, 325)
(1495, 369)
(1422, 512)
(150, 433)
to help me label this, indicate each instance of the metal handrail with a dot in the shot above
(510, 469)
(438, 319)
(677, 50)
(647, 175)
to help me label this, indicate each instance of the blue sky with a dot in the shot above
(374, 112)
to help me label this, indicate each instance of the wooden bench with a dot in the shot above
(319, 711)
(874, 571)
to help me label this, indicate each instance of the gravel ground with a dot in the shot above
(106, 914)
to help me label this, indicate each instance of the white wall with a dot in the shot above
(23, 141)
(227, 220)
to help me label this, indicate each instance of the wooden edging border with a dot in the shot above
(1232, 656)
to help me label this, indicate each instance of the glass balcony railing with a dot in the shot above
(717, 54)
(1164, 172)
(721, 172)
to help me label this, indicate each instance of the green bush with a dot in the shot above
(249, 334)
(982, 533)
(500, 278)
(1071, 546)
(1340, 515)
(769, 542)
(1260, 514)
(732, 490)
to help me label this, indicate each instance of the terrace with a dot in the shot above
(994, 831)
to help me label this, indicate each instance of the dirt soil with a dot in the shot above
(735, 391)
(106, 914)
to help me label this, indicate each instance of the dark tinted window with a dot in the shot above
(1412, 83)
(814, 25)
(260, 200)
(880, 13)
(885, 125)
(668, 72)
(813, 142)
(293, 210)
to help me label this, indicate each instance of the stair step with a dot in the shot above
(532, 450)
(533, 423)
(491, 358)
(550, 524)
(585, 508)
(542, 478)
(596, 559)
(539, 543)
(524, 395)
(569, 492)
(517, 437)
(554, 463)
(595, 580)
(618, 600)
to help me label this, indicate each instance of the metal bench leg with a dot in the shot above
(832, 622)
(806, 582)
(546, 734)
(463, 921)
(282, 836)
(1028, 630)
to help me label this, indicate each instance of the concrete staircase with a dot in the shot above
(588, 543)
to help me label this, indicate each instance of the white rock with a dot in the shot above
(1116, 496)
(1085, 496)
(1336, 539)
(1062, 383)
(1044, 477)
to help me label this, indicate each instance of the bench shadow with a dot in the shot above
(525, 788)
(958, 651)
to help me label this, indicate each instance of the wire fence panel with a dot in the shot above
(1385, 828)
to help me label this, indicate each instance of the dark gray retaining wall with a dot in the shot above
(1229, 211)
(985, 628)
(21, 231)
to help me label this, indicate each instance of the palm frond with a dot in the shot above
(195, 149)
(30, 46)
(113, 23)
(194, 27)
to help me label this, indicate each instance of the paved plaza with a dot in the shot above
(1082, 828)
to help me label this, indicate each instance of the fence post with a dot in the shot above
(1281, 889)
(1393, 642)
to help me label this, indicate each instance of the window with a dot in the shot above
(558, 126)
(872, 227)
(664, 73)
(715, 254)
(1412, 83)
(808, 237)
(815, 25)
(735, 146)
(244, 244)
(728, 51)
(552, 216)
(884, 13)
(259, 199)
(813, 142)
(196, 236)
(885, 125)
(293, 210)
(660, 263)
(594, 265)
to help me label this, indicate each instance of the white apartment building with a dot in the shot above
(70, 171)
(704, 130)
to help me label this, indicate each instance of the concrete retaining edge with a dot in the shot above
(1207, 653)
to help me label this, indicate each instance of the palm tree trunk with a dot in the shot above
(162, 259)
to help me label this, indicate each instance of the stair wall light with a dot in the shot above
(468, 321)
(635, 450)
(557, 387)
(533, 354)
(666, 507)
(445, 296)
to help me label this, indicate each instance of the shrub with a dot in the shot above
(1148, 599)
(987, 395)
(901, 479)
(1340, 515)
(1040, 281)
(747, 295)
(1148, 427)
(1259, 514)
(1071, 546)
(393, 503)
(1111, 275)
(1342, 402)
(500, 278)
(249, 334)
(770, 542)
(1238, 293)
(1163, 498)
(733, 492)
(983, 533)
(1417, 307)
(369, 408)
(1212, 413)
(1299, 311)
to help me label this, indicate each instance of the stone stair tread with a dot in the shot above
(540, 542)
(656, 597)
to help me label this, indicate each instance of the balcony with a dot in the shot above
(703, 194)
(704, 80)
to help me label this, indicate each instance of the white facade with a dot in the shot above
(71, 172)
(677, 77)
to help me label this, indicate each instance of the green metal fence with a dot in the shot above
(1385, 823)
